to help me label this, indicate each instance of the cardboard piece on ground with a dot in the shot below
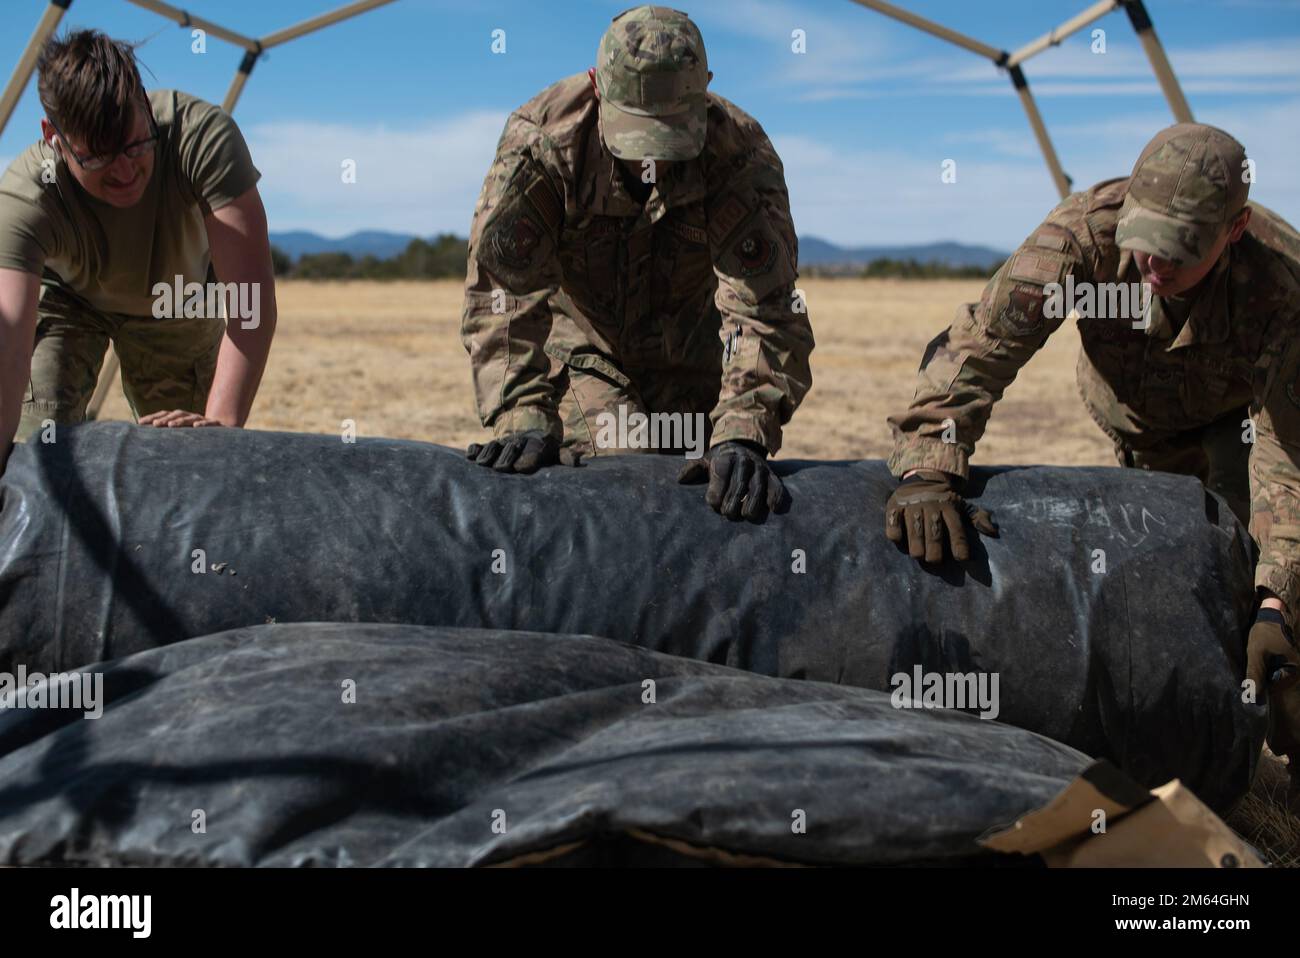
(1103, 819)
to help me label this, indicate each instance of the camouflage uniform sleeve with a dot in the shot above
(1275, 479)
(766, 334)
(967, 367)
(512, 275)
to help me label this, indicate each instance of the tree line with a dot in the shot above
(447, 256)
(902, 269)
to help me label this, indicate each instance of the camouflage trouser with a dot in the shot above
(166, 363)
(590, 385)
(1215, 454)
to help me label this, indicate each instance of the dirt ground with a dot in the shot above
(389, 357)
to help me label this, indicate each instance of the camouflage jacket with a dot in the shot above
(565, 264)
(1237, 347)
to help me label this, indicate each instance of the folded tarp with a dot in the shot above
(1111, 611)
(329, 744)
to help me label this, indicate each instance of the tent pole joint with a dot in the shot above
(250, 59)
(1137, 14)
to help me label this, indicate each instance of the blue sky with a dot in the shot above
(863, 120)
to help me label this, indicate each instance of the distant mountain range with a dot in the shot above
(366, 243)
(812, 251)
(818, 252)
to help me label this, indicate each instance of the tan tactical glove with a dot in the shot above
(924, 505)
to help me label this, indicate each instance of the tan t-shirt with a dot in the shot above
(112, 257)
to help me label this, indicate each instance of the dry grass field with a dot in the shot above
(388, 355)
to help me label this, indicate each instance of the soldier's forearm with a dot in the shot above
(1277, 584)
(1271, 601)
(19, 295)
(240, 365)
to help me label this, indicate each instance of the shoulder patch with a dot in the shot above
(1029, 266)
(724, 220)
(541, 196)
(1050, 239)
(755, 261)
(755, 253)
(1022, 313)
(515, 239)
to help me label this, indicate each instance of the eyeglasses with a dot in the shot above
(132, 151)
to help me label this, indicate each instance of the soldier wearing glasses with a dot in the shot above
(126, 190)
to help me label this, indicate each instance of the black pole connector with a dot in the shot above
(61, 4)
(250, 60)
(1018, 77)
(1137, 15)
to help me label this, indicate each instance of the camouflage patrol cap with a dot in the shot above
(1187, 185)
(652, 72)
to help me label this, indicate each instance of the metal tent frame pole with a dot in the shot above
(1054, 37)
(186, 19)
(1011, 62)
(241, 77)
(999, 58)
(13, 91)
(319, 22)
(255, 48)
(934, 29)
(1059, 176)
(107, 377)
(1146, 31)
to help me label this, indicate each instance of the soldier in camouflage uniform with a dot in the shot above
(631, 223)
(1207, 384)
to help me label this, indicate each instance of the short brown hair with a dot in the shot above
(89, 84)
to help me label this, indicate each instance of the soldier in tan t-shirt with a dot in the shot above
(116, 226)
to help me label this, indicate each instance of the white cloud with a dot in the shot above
(825, 94)
(1271, 135)
(1131, 88)
(1005, 142)
(1124, 59)
(838, 51)
(426, 179)
(422, 179)
(1003, 190)
(887, 196)
(850, 70)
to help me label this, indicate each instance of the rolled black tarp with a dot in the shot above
(336, 745)
(1111, 611)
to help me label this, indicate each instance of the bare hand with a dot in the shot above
(177, 417)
